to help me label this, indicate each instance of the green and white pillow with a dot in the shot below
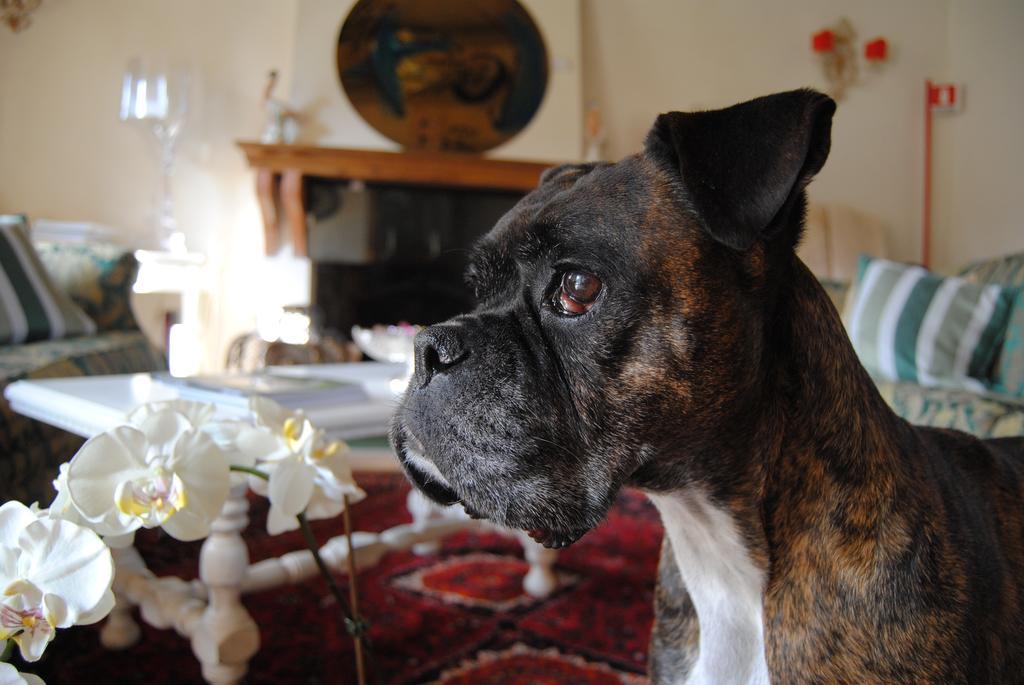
(908, 324)
(1007, 271)
(31, 306)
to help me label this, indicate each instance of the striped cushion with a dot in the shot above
(1005, 270)
(31, 306)
(1009, 368)
(909, 324)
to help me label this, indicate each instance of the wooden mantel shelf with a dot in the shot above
(281, 169)
(413, 168)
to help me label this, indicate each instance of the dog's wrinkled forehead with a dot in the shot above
(577, 211)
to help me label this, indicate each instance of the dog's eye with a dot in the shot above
(576, 293)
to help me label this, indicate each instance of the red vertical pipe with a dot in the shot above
(926, 217)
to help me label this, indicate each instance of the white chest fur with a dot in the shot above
(725, 586)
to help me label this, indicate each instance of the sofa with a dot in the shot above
(993, 414)
(98, 278)
(835, 238)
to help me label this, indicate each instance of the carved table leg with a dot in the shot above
(226, 635)
(540, 580)
(121, 631)
(422, 511)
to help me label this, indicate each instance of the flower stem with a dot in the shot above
(353, 624)
(251, 471)
(350, 614)
(353, 587)
(7, 650)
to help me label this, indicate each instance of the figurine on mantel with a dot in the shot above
(282, 124)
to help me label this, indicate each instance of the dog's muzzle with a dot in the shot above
(421, 471)
(438, 350)
(425, 475)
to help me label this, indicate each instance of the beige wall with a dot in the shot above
(65, 155)
(979, 152)
(651, 56)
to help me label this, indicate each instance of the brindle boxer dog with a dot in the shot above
(647, 323)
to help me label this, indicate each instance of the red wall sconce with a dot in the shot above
(823, 41)
(876, 51)
(836, 49)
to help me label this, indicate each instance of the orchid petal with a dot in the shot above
(187, 526)
(26, 594)
(57, 613)
(14, 516)
(334, 477)
(259, 443)
(32, 643)
(163, 428)
(270, 414)
(9, 675)
(26, 621)
(99, 612)
(67, 560)
(9, 556)
(62, 507)
(197, 413)
(291, 486)
(119, 541)
(235, 439)
(203, 469)
(280, 522)
(95, 472)
(322, 507)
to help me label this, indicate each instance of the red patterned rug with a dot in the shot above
(454, 618)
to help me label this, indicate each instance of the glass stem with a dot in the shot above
(165, 218)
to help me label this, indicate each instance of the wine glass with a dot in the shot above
(155, 93)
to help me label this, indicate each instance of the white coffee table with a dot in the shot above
(89, 405)
(208, 610)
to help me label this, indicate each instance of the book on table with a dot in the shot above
(289, 390)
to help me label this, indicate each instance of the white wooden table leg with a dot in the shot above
(121, 631)
(423, 511)
(226, 636)
(540, 580)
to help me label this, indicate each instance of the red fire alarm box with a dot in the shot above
(946, 97)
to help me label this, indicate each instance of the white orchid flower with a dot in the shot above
(281, 425)
(62, 507)
(53, 574)
(241, 443)
(198, 413)
(307, 472)
(9, 675)
(166, 472)
(231, 435)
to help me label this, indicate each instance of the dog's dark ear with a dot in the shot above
(745, 167)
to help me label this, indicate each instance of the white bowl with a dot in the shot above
(386, 343)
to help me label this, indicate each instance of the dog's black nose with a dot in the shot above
(438, 348)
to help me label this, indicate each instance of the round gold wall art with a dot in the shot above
(443, 75)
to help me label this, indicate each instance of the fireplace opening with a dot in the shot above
(383, 254)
